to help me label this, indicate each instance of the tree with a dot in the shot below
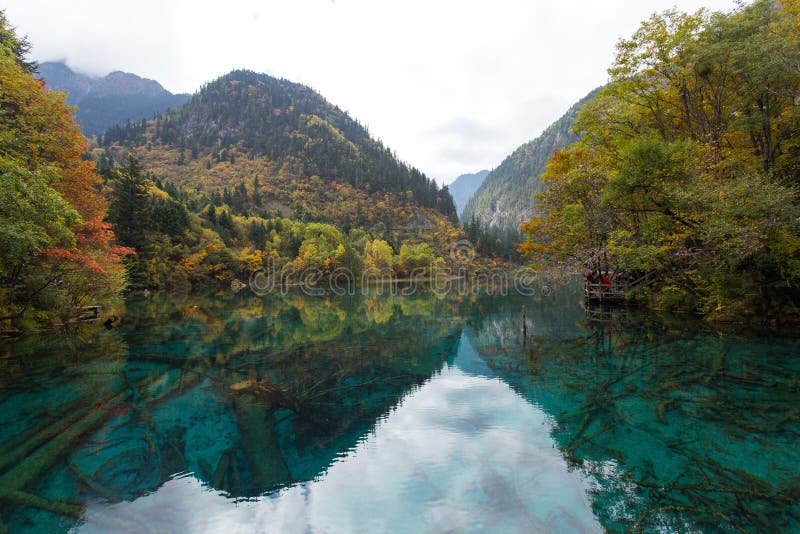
(571, 220)
(33, 218)
(57, 252)
(415, 258)
(129, 208)
(378, 255)
(168, 216)
(688, 169)
(257, 234)
(16, 46)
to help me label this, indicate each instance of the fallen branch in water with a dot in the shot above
(34, 501)
(218, 478)
(42, 433)
(31, 467)
(711, 489)
(638, 526)
(109, 494)
(28, 470)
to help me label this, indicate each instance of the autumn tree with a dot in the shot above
(378, 255)
(688, 168)
(57, 251)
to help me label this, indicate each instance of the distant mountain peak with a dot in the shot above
(464, 187)
(125, 83)
(106, 101)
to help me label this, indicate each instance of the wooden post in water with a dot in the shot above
(524, 327)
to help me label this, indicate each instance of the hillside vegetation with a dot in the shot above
(185, 239)
(689, 169)
(56, 251)
(285, 128)
(256, 172)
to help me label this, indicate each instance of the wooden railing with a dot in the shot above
(616, 290)
(87, 313)
(600, 292)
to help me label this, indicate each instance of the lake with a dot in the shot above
(398, 413)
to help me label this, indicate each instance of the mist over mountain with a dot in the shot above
(110, 100)
(463, 188)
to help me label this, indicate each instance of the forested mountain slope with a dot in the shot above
(245, 126)
(256, 172)
(505, 199)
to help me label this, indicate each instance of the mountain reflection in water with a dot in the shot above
(460, 452)
(398, 413)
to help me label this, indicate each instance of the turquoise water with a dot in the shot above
(391, 413)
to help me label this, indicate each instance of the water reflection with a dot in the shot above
(248, 395)
(679, 427)
(461, 452)
(398, 413)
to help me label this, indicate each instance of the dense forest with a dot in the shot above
(688, 168)
(288, 126)
(249, 174)
(186, 239)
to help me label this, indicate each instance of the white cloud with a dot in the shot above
(407, 69)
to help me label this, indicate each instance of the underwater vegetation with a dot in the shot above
(247, 395)
(671, 425)
(680, 427)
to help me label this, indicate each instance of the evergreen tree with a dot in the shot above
(129, 203)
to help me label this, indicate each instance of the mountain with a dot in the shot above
(464, 187)
(257, 172)
(505, 199)
(297, 146)
(110, 100)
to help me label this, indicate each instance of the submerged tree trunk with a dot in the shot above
(29, 469)
(260, 443)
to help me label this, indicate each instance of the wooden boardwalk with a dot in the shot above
(615, 291)
(599, 292)
(87, 313)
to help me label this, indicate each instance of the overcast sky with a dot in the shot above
(452, 86)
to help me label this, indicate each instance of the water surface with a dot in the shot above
(398, 413)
